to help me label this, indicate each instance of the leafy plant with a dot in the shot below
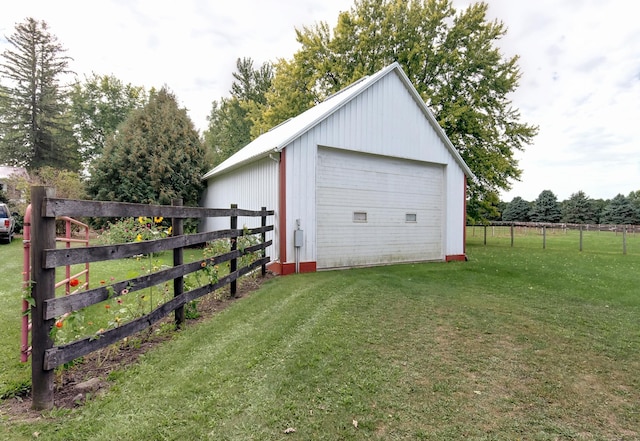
(134, 230)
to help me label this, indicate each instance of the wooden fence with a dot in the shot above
(623, 230)
(45, 258)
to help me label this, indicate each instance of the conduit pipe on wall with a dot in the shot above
(298, 240)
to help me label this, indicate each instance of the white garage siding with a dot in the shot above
(381, 117)
(251, 187)
(386, 191)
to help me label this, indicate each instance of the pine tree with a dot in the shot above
(155, 157)
(518, 210)
(620, 211)
(578, 209)
(546, 208)
(35, 127)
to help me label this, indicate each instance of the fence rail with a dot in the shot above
(567, 226)
(45, 258)
(542, 227)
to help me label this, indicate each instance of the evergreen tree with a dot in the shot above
(451, 58)
(634, 198)
(599, 206)
(518, 210)
(620, 211)
(230, 121)
(578, 209)
(35, 126)
(156, 156)
(546, 208)
(98, 106)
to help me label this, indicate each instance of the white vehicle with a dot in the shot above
(7, 224)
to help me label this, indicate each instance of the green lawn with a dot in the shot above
(517, 343)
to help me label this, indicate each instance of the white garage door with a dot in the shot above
(374, 209)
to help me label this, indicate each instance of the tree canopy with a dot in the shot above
(155, 157)
(230, 123)
(98, 106)
(546, 208)
(578, 209)
(34, 127)
(620, 210)
(517, 210)
(450, 56)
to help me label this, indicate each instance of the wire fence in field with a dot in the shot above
(623, 239)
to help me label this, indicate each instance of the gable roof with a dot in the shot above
(282, 135)
(7, 170)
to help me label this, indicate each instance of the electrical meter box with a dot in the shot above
(298, 238)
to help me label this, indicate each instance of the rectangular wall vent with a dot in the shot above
(359, 216)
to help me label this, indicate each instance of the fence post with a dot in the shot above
(544, 237)
(511, 235)
(177, 228)
(43, 236)
(624, 239)
(485, 234)
(580, 237)
(263, 236)
(233, 264)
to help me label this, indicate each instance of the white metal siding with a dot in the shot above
(384, 119)
(386, 189)
(251, 187)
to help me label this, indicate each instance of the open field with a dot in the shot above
(518, 343)
(559, 239)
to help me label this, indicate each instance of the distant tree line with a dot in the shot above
(578, 209)
(94, 138)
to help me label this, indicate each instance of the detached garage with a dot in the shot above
(366, 177)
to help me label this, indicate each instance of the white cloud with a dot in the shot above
(580, 61)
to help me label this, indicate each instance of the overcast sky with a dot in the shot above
(580, 63)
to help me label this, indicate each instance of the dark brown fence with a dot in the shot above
(45, 258)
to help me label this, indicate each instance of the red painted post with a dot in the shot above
(67, 270)
(26, 285)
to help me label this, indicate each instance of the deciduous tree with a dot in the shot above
(230, 123)
(98, 106)
(35, 128)
(450, 56)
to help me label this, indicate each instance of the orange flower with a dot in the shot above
(107, 306)
(59, 324)
(74, 282)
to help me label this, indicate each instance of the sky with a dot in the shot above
(579, 59)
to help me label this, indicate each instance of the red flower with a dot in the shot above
(74, 282)
(107, 306)
(59, 324)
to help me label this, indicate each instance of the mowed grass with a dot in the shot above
(517, 343)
